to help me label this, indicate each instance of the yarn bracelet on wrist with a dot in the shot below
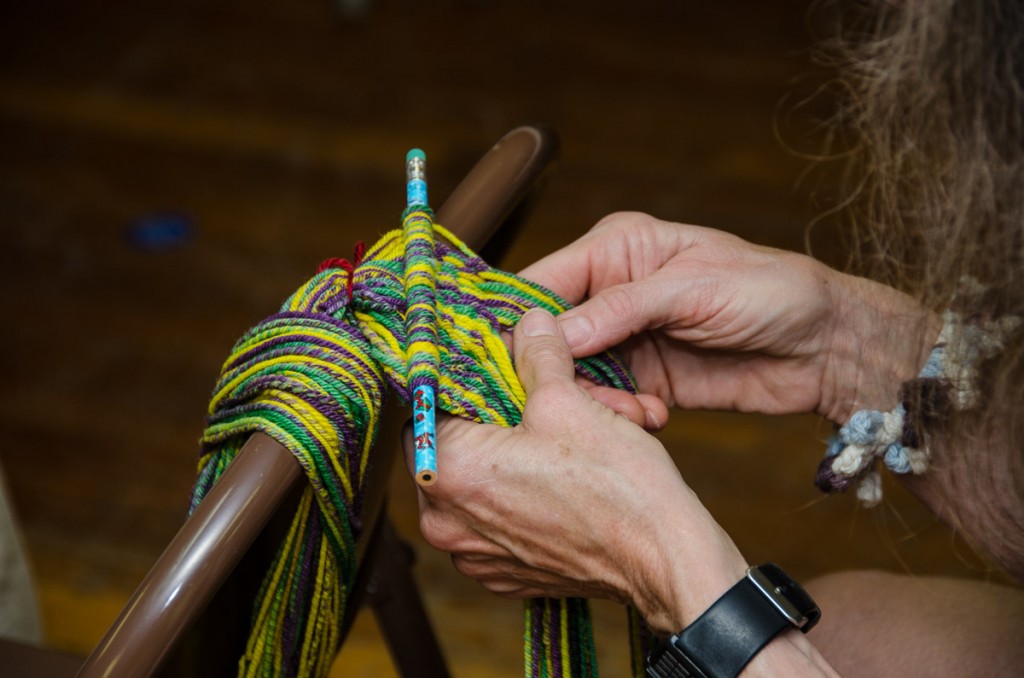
(948, 382)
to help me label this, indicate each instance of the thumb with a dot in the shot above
(611, 316)
(541, 354)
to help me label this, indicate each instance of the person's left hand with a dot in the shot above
(575, 501)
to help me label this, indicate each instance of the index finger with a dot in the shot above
(565, 272)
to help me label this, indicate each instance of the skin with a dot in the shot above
(705, 320)
(898, 625)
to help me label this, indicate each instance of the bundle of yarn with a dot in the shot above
(314, 377)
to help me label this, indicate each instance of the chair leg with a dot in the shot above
(395, 599)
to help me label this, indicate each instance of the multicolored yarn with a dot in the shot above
(421, 330)
(948, 382)
(313, 378)
(641, 642)
(421, 315)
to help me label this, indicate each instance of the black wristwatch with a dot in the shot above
(735, 628)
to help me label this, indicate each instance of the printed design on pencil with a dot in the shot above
(422, 402)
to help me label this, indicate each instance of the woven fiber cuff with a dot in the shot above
(948, 382)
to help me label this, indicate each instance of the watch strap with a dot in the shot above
(730, 632)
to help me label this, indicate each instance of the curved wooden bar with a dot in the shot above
(210, 544)
(497, 183)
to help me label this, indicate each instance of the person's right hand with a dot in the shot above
(709, 321)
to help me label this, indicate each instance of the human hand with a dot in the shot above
(708, 321)
(575, 501)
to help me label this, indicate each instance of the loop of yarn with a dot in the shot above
(313, 378)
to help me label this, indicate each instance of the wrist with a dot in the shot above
(756, 628)
(790, 654)
(881, 338)
(689, 568)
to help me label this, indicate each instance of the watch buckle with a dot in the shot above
(800, 619)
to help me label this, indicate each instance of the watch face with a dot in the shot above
(787, 595)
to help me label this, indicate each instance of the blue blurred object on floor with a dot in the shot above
(160, 232)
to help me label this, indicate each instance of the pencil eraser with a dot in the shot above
(415, 154)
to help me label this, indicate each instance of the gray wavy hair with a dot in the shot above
(934, 98)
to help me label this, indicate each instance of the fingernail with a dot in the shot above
(577, 330)
(652, 419)
(539, 323)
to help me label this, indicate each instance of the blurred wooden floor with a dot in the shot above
(279, 129)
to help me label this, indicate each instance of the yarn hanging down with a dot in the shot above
(313, 378)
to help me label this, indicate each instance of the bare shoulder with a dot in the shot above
(878, 623)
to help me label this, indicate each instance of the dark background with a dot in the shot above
(274, 134)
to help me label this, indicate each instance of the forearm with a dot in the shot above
(971, 487)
